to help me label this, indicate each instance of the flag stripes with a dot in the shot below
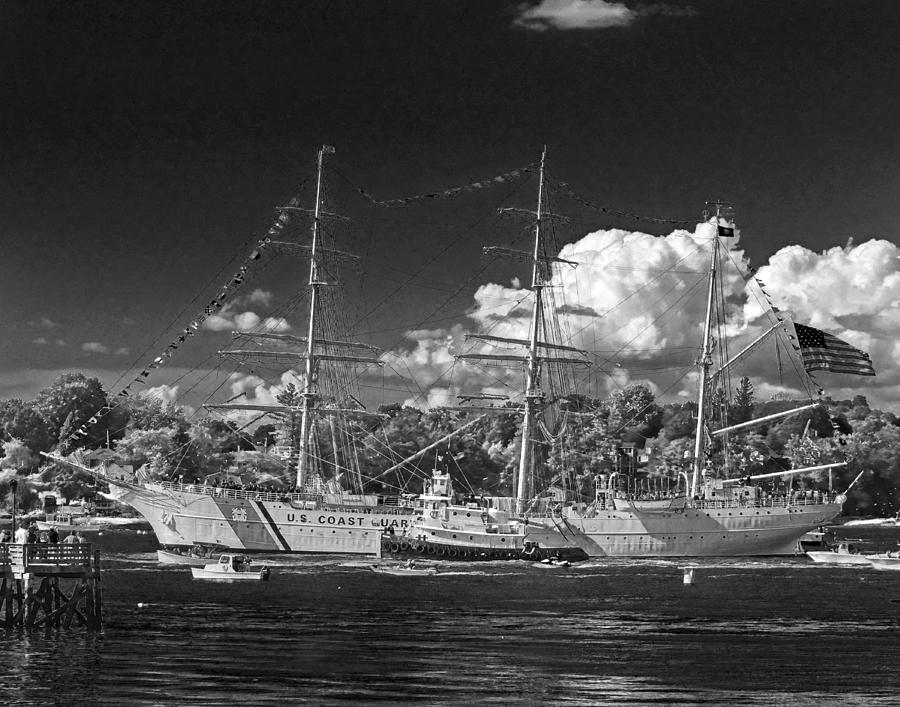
(822, 351)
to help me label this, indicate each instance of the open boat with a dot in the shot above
(231, 568)
(405, 570)
(885, 561)
(184, 558)
(844, 554)
(551, 563)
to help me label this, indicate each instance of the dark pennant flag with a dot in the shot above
(823, 352)
(726, 231)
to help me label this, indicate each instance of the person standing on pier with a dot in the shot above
(53, 536)
(70, 539)
(5, 537)
(22, 534)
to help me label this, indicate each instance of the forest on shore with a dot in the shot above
(587, 440)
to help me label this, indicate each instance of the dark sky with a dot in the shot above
(143, 144)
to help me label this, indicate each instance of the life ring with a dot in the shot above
(394, 547)
(452, 552)
(434, 514)
(404, 545)
(432, 550)
(442, 552)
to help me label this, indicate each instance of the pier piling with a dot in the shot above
(32, 595)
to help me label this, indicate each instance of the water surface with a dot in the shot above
(327, 630)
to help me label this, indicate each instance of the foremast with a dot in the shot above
(318, 344)
(309, 394)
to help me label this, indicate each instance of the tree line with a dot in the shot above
(584, 437)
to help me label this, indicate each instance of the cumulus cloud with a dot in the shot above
(250, 388)
(589, 14)
(43, 323)
(259, 297)
(122, 351)
(40, 341)
(574, 14)
(637, 303)
(231, 318)
(165, 393)
(61, 342)
(94, 347)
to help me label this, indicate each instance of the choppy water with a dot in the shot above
(330, 631)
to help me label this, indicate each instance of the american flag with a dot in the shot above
(823, 352)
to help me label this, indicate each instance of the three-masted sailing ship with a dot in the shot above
(710, 516)
(313, 516)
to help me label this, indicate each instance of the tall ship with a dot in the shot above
(697, 508)
(315, 515)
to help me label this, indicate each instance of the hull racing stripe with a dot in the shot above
(264, 513)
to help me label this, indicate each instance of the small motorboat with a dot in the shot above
(551, 562)
(231, 568)
(184, 559)
(844, 554)
(885, 561)
(407, 570)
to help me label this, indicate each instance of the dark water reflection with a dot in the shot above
(329, 631)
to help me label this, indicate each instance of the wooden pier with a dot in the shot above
(50, 586)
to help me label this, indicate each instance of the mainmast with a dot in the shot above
(533, 393)
(704, 362)
(310, 383)
(538, 352)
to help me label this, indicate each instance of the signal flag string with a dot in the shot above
(215, 304)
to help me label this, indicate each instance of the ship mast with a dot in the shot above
(310, 387)
(704, 362)
(538, 352)
(533, 393)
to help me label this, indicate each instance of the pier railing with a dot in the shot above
(44, 555)
(34, 591)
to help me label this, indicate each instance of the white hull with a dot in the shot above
(174, 558)
(252, 576)
(405, 571)
(838, 558)
(88, 526)
(885, 563)
(248, 522)
(695, 532)
(692, 532)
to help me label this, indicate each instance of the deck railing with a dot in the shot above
(295, 498)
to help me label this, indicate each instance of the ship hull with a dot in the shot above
(688, 532)
(256, 523)
(695, 532)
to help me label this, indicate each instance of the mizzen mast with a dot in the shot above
(705, 361)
